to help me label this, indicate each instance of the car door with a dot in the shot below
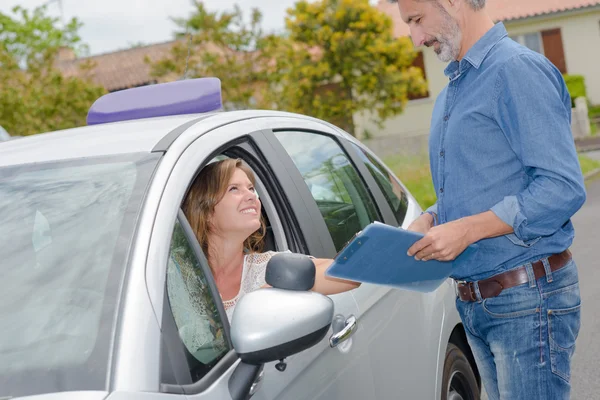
(411, 322)
(398, 330)
(320, 372)
(310, 374)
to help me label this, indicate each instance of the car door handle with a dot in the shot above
(345, 333)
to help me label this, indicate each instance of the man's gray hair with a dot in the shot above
(475, 4)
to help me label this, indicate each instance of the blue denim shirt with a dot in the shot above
(501, 140)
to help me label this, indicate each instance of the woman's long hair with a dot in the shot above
(205, 193)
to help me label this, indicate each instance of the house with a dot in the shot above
(116, 70)
(565, 31)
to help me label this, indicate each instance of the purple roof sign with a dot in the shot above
(191, 96)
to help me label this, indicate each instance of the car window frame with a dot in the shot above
(381, 205)
(258, 153)
(275, 202)
(311, 224)
(172, 344)
(384, 206)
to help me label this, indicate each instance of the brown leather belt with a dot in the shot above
(492, 287)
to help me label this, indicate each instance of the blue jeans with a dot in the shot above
(524, 338)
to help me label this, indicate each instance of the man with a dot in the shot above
(507, 178)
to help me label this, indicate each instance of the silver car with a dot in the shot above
(105, 292)
(4, 136)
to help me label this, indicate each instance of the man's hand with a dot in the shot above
(422, 224)
(443, 242)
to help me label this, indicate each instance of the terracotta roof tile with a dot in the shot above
(120, 69)
(499, 10)
(505, 10)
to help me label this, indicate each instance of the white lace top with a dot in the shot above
(253, 277)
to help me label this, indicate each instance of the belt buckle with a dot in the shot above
(456, 287)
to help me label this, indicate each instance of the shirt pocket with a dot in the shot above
(515, 240)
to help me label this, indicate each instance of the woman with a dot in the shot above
(224, 211)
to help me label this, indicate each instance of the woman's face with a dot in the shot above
(238, 212)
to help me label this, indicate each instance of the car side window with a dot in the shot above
(336, 186)
(194, 309)
(388, 183)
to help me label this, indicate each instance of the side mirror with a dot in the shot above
(271, 324)
(290, 271)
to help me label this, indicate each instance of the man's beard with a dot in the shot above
(449, 39)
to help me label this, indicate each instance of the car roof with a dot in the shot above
(89, 141)
(134, 136)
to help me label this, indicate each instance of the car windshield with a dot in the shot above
(66, 229)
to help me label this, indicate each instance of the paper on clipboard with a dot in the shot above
(377, 255)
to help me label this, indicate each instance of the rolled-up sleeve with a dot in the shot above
(532, 107)
(433, 208)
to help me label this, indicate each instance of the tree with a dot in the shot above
(34, 96)
(336, 58)
(339, 57)
(28, 35)
(222, 45)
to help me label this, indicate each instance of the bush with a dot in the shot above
(576, 87)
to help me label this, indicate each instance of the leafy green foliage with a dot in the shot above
(336, 58)
(28, 35)
(222, 45)
(339, 57)
(576, 86)
(34, 96)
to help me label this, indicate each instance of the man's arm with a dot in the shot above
(534, 112)
(445, 242)
(532, 108)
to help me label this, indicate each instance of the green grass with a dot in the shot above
(587, 164)
(415, 174)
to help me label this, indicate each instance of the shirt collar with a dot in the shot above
(479, 51)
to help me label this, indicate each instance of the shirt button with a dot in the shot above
(446, 118)
(442, 153)
(441, 190)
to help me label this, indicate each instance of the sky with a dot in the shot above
(109, 25)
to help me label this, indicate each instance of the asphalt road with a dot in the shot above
(586, 249)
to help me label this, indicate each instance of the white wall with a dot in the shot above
(581, 43)
(416, 117)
